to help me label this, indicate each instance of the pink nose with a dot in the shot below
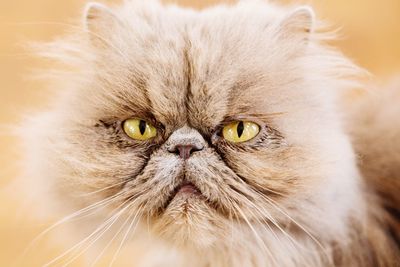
(185, 151)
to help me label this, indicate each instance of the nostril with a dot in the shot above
(185, 151)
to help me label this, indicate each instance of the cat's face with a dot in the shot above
(189, 75)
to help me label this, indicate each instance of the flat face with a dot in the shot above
(198, 123)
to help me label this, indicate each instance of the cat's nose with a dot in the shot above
(185, 141)
(185, 151)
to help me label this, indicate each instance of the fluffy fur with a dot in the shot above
(292, 196)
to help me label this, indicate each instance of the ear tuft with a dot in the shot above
(300, 21)
(99, 20)
(97, 15)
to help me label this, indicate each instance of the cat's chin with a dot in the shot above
(187, 219)
(187, 222)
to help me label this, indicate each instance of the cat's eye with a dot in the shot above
(139, 129)
(240, 131)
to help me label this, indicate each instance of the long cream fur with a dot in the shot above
(294, 196)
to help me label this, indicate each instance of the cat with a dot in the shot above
(222, 133)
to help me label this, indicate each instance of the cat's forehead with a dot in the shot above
(208, 70)
(204, 68)
(203, 86)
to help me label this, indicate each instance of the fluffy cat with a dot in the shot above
(293, 194)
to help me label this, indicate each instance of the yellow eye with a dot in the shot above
(240, 131)
(139, 129)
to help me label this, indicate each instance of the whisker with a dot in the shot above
(266, 223)
(257, 236)
(102, 189)
(272, 220)
(96, 237)
(293, 243)
(235, 216)
(276, 206)
(110, 242)
(101, 234)
(269, 200)
(107, 224)
(99, 204)
(125, 237)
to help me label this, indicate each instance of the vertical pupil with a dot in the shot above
(142, 126)
(240, 129)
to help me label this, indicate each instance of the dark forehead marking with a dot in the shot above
(140, 83)
(217, 88)
(136, 100)
(168, 80)
(188, 70)
(198, 97)
(248, 94)
(125, 97)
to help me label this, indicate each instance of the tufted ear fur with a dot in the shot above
(298, 24)
(99, 21)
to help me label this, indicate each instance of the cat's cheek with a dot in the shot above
(273, 169)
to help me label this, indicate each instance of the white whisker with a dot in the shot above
(276, 206)
(107, 224)
(96, 205)
(124, 238)
(102, 189)
(110, 242)
(258, 238)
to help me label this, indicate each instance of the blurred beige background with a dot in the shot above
(370, 35)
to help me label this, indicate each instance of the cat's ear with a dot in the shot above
(298, 24)
(99, 21)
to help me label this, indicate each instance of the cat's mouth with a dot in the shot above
(184, 190)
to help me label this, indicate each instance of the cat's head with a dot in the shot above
(200, 124)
